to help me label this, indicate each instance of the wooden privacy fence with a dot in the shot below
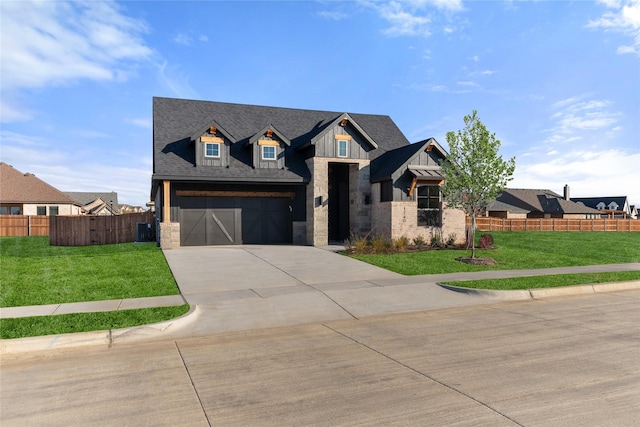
(555, 224)
(23, 225)
(97, 230)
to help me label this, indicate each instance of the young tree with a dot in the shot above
(474, 173)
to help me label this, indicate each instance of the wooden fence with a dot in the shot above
(23, 225)
(97, 230)
(556, 224)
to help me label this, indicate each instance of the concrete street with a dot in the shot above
(570, 361)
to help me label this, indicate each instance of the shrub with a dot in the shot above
(436, 239)
(486, 241)
(380, 245)
(419, 241)
(401, 243)
(357, 244)
(451, 239)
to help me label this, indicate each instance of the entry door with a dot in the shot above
(338, 202)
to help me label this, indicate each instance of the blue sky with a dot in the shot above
(557, 81)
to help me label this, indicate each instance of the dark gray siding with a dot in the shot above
(202, 160)
(327, 145)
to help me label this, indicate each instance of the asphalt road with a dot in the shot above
(572, 361)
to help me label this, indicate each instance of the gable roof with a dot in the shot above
(532, 200)
(18, 187)
(175, 121)
(87, 199)
(394, 162)
(593, 202)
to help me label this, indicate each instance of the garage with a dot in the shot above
(235, 220)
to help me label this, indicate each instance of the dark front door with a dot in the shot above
(338, 201)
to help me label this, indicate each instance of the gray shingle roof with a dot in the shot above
(386, 165)
(175, 121)
(532, 200)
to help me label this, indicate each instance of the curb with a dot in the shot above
(107, 338)
(540, 293)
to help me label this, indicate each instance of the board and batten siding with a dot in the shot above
(259, 162)
(202, 160)
(327, 146)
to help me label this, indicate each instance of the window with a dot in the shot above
(212, 149)
(41, 210)
(268, 152)
(53, 210)
(386, 191)
(4, 210)
(343, 148)
(429, 206)
(15, 210)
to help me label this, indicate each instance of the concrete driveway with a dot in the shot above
(246, 287)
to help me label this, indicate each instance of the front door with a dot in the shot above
(338, 202)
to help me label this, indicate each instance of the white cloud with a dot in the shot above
(203, 38)
(604, 173)
(332, 15)
(413, 17)
(183, 39)
(56, 43)
(140, 122)
(574, 118)
(624, 17)
(173, 79)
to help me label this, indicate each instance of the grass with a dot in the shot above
(520, 250)
(82, 322)
(533, 282)
(34, 273)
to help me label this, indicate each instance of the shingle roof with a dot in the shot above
(386, 165)
(18, 187)
(592, 202)
(175, 121)
(84, 198)
(532, 200)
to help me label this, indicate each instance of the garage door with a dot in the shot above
(235, 221)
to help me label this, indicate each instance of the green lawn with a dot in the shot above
(520, 250)
(34, 273)
(552, 281)
(82, 322)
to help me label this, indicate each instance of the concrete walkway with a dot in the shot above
(237, 288)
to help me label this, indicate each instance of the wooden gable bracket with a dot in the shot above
(212, 130)
(414, 182)
(429, 148)
(344, 122)
(269, 133)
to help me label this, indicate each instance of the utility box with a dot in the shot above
(143, 232)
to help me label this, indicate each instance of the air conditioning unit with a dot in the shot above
(143, 232)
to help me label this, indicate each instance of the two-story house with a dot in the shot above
(227, 174)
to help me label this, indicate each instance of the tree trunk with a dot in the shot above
(473, 235)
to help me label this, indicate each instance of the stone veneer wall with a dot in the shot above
(169, 233)
(317, 224)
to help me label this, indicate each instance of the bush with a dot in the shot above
(400, 244)
(380, 245)
(486, 241)
(419, 241)
(451, 239)
(357, 244)
(436, 239)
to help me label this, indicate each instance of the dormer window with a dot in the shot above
(601, 206)
(268, 152)
(613, 206)
(212, 149)
(343, 148)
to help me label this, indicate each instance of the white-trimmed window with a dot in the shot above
(268, 152)
(212, 149)
(343, 148)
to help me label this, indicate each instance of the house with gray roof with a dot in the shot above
(93, 203)
(609, 207)
(531, 203)
(228, 174)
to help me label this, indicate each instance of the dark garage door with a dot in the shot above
(235, 221)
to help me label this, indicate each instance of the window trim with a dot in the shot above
(264, 149)
(346, 148)
(206, 145)
(54, 210)
(42, 209)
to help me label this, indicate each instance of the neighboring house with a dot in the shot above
(25, 194)
(633, 214)
(127, 209)
(612, 207)
(528, 203)
(96, 203)
(236, 174)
